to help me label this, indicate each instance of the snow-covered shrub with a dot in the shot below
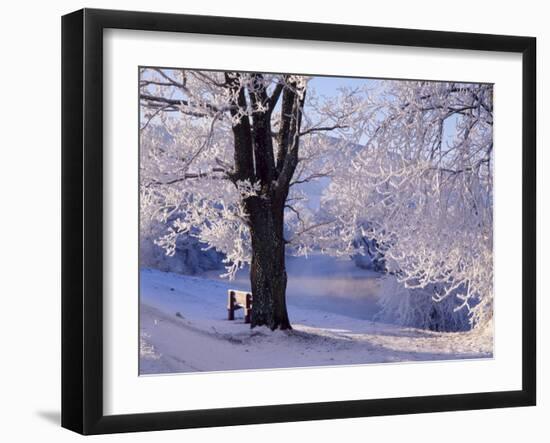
(417, 308)
(190, 256)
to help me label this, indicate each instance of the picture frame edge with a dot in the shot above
(82, 355)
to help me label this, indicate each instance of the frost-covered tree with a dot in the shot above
(424, 177)
(238, 146)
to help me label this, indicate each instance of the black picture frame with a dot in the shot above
(82, 215)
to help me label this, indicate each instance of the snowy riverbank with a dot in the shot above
(183, 328)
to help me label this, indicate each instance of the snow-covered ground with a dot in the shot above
(332, 304)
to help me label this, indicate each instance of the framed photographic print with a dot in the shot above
(269, 221)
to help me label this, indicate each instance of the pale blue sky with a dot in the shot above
(328, 86)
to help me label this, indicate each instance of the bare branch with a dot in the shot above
(311, 228)
(275, 96)
(313, 176)
(208, 78)
(191, 175)
(170, 79)
(179, 102)
(293, 209)
(323, 128)
(160, 109)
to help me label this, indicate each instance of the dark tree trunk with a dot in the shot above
(268, 276)
(255, 160)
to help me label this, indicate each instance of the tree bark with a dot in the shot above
(268, 276)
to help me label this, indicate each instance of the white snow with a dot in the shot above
(183, 325)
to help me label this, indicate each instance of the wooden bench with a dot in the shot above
(239, 300)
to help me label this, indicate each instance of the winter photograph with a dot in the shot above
(294, 221)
